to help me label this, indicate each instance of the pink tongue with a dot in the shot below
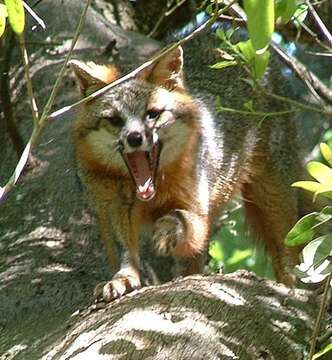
(141, 172)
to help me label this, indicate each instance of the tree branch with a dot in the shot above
(320, 24)
(7, 109)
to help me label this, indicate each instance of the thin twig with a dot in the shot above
(47, 108)
(307, 29)
(44, 117)
(255, 113)
(5, 98)
(43, 43)
(232, 18)
(320, 24)
(164, 15)
(319, 319)
(323, 54)
(296, 103)
(33, 104)
(145, 65)
(315, 86)
(34, 15)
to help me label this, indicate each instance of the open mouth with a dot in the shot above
(142, 166)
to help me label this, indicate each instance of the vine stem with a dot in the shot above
(169, 11)
(297, 103)
(255, 113)
(31, 96)
(319, 319)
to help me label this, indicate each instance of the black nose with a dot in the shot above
(135, 139)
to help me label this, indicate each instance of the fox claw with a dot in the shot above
(117, 287)
(168, 233)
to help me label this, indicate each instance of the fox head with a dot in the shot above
(140, 125)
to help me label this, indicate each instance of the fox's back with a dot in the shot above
(242, 139)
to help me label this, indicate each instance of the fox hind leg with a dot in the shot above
(271, 210)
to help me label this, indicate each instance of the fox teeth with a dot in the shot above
(145, 186)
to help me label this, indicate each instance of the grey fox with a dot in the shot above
(158, 161)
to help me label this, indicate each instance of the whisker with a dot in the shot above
(162, 124)
(118, 146)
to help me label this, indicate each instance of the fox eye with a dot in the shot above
(153, 114)
(115, 120)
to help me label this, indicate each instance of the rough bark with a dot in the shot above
(51, 257)
(235, 316)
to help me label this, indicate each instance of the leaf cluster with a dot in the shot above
(316, 259)
(261, 17)
(14, 11)
(316, 256)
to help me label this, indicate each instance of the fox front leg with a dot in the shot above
(123, 253)
(125, 280)
(183, 235)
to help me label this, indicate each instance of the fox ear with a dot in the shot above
(90, 74)
(167, 72)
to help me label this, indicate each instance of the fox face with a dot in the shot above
(139, 127)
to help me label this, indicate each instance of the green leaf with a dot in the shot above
(302, 237)
(3, 15)
(300, 14)
(216, 251)
(247, 50)
(321, 248)
(217, 103)
(315, 266)
(324, 215)
(230, 32)
(326, 152)
(325, 190)
(327, 137)
(308, 185)
(313, 275)
(16, 15)
(315, 187)
(322, 352)
(257, 61)
(285, 9)
(249, 105)
(303, 231)
(223, 64)
(289, 11)
(238, 256)
(320, 172)
(221, 34)
(279, 7)
(260, 22)
(250, 82)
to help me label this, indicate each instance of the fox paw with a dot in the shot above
(168, 233)
(120, 285)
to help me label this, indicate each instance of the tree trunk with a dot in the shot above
(235, 316)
